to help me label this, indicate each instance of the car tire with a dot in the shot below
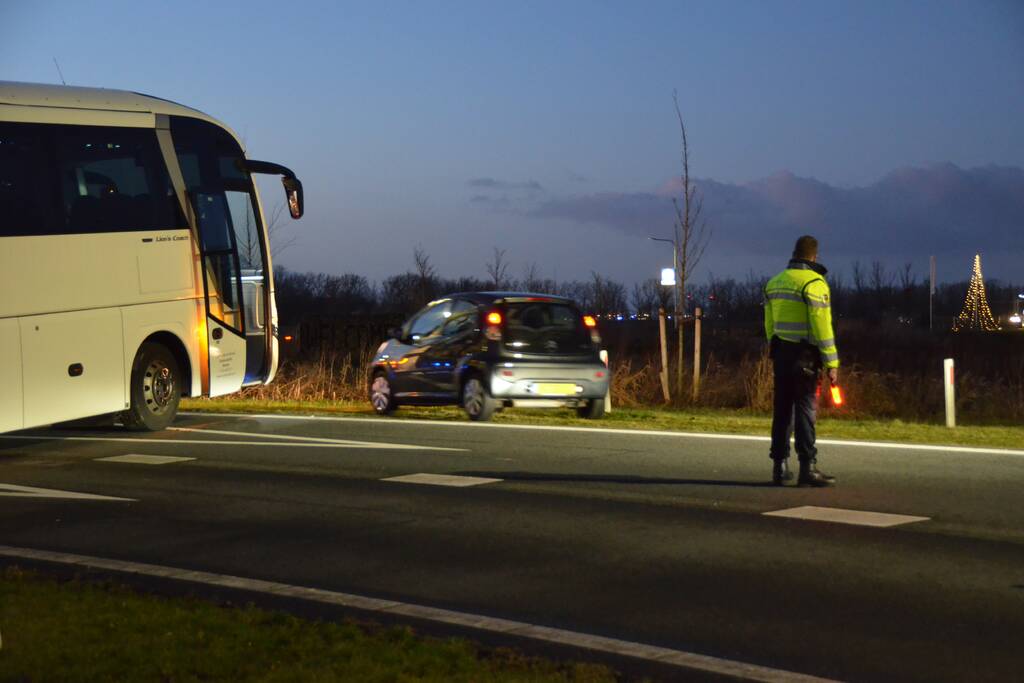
(592, 410)
(382, 396)
(155, 389)
(477, 400)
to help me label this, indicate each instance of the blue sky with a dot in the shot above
(393, 113)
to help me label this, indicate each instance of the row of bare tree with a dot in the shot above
(880, 295)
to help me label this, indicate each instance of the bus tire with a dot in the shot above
(155, 389)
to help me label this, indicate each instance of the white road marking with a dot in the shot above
(317, 439)
(441, 479)
(210, 442)
(842, 516)
(139, 459)
(680, 658)
(604, 430)
(15, 491)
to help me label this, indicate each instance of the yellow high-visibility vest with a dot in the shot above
(798, 307)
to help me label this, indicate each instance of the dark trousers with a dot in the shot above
(796, 403)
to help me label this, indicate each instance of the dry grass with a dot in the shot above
(746, 385)
(331, 377)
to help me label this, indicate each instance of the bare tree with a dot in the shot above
(881, 279)
(425, 274)
(859, 282)
(275, 229)
(608, 296)
(907, 278)
(532, 281)
(497, 269)
(423, 266)
(691, 237)
(248, 238)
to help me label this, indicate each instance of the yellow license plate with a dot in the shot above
(556, 389)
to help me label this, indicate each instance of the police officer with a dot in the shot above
(798, 324)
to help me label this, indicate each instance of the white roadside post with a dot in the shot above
(608, 393)
(947, 382)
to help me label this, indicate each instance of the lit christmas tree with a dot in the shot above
(976, 315)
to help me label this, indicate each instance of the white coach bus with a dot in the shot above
(134, 262)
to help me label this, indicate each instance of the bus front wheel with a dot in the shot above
(155, 389)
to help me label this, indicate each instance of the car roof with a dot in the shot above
(499, 297)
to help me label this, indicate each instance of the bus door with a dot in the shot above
(233, 254)
(225, 315)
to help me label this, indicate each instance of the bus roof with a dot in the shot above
(105, 99)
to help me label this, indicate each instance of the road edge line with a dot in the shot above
(613, 646)
(985, 450)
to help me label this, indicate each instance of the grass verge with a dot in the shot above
(705, 420)
(78, 631)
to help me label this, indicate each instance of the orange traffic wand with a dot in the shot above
(837, 395)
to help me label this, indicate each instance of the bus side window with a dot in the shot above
(29, 202)
(114, 180)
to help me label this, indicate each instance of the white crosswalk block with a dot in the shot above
(441, 479)
(842, 516)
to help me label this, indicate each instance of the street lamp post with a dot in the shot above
(675, 269)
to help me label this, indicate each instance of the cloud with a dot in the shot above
(496, 203)
(908, 214)
(493, 184)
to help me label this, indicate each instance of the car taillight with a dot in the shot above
(589, 321)
(493, 329)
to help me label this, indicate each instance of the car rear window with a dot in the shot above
(545, 327)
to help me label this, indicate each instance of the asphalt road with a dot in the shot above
(649, 538)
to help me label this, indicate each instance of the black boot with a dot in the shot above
(810, 476)
(780, 472)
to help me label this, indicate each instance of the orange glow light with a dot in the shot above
(837, 396)
(494, 318)
(589, 321)
(288, 337)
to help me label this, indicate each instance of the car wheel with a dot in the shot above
(592, 410)
(382, 398)
(476, 400)
(155, 389)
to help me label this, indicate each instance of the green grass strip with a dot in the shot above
(706, 420)
(78, 631)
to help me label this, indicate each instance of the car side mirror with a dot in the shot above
(395, 333)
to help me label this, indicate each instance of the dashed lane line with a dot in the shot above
(212, 442)
(317, 439)
(139, 459)
(606, 430)
(16, 491)
(843, 516)
(441, 479)
(663, 655)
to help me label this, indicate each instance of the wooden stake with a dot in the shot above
(696, 352)
(664, 355)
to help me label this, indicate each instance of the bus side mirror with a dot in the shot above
(292, 185)
(293, 191)
(395, 333)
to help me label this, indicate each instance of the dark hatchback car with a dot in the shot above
(489, 350)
